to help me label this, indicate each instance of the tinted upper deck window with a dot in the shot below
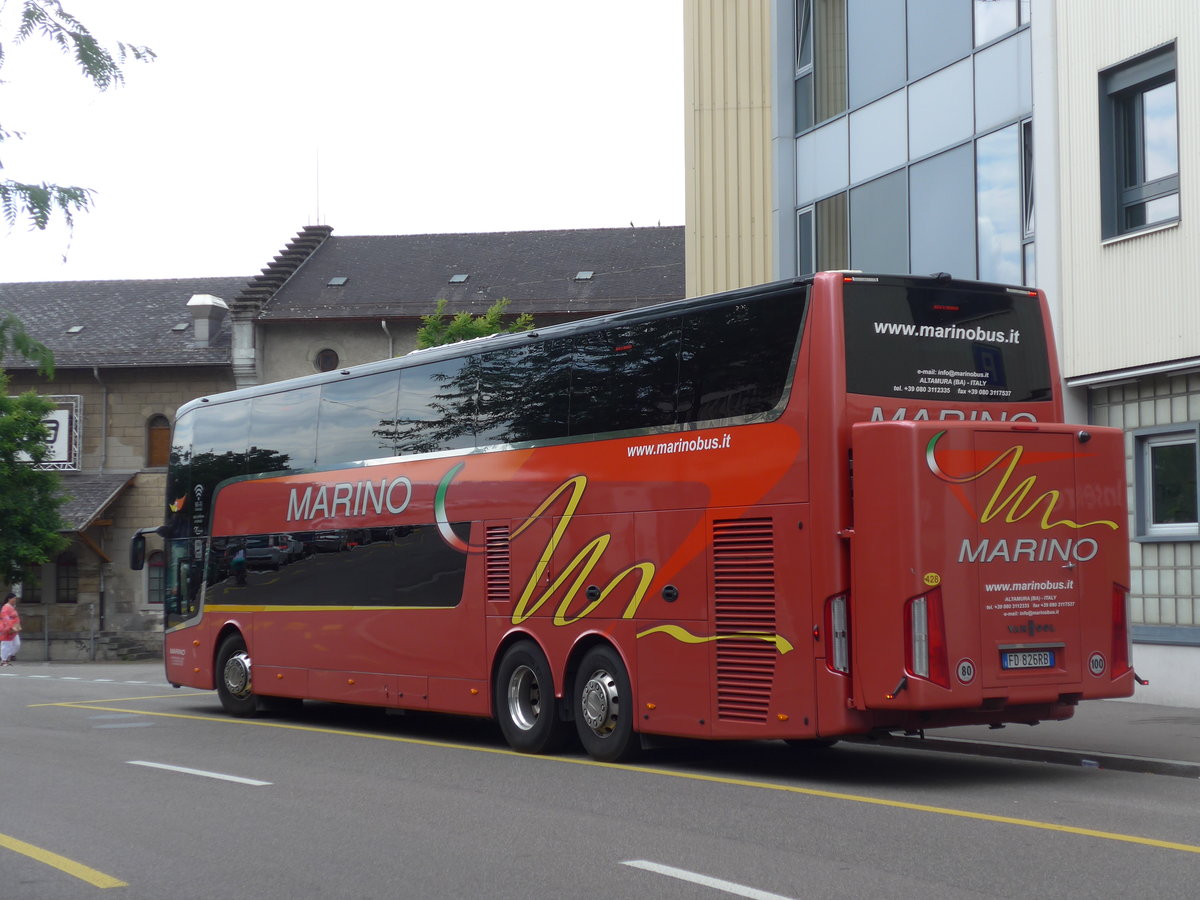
(282, 435)
(736, 358)
(625, 377)
(436, 409)
(524, 393)
(357, 416)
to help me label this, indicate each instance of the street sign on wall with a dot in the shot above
(64, 424)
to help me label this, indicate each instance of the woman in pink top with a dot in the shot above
(10, 626)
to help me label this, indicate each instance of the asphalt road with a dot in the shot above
(115, 785)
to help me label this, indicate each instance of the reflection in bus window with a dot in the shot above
(524, 393)
(281, 431)
(221, 435)
(436, 409)
(736, 358)
(353, 418)
(625, 377)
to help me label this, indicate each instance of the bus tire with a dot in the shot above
(234, 683)
(603, 707)
(525, 703)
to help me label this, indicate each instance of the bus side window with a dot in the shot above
(220, 440)
(436, 408)
(737, 358)
(355, 417)
(281, 431)
(523, 393)
(626, 377)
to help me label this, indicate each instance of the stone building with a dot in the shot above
(129, 353)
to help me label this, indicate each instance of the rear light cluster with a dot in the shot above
(925, 644)
(1122, 636)
(837, 635)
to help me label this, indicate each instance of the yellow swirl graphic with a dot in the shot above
(782, 644)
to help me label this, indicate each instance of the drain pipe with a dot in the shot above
(103, 465)
(391, 340)
(103, 420)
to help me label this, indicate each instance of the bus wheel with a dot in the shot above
(233, 678)
(525, 703)
(603, 702)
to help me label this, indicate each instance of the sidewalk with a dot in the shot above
(1109, 734)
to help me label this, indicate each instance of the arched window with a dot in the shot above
(158, 441)
(156, 569)
(66, 579)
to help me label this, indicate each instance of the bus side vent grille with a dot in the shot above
(499, 564)
(744, 603)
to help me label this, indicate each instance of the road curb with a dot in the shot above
(1065, 757)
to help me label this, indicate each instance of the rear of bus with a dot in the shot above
(984, 541)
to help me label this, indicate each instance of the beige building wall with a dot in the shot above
(289, 349)
(1130, 301)
(727, 144)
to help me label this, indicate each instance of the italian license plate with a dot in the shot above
(1027, 659)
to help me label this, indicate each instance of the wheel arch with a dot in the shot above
(223, 633)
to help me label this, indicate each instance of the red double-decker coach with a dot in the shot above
(837, 505)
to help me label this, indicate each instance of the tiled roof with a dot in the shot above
(404, 275)
(133, 323)
(89, 496)
(124, 323)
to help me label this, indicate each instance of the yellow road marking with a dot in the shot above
(114, 700)
(667, 773)
(62, 863)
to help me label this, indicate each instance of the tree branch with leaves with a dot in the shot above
(436, 330)
(46, 19)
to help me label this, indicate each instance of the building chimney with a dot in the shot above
(207, 313)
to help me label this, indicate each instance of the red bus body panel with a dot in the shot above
(1018, 533)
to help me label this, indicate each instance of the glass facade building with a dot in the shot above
(909, 138)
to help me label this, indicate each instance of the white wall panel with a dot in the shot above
(1134, 301)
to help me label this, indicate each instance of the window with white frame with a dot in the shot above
(1165, 472)
(1139, 144)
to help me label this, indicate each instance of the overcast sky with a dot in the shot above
(372, 116)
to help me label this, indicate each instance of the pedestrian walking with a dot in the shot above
(10, 630)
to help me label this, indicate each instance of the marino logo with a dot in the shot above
(1030, 627)
(1016, 501)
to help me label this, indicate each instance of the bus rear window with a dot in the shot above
(952, 344)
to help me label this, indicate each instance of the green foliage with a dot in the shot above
(47, 19)
(30, 524)
(436, 331)
(14, 337)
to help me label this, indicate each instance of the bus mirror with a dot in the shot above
(137, 546)
(137, 552)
